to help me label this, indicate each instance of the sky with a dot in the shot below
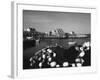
(45, 21)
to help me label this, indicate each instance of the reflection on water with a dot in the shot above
(65, 43)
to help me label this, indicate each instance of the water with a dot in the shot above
(30, 51)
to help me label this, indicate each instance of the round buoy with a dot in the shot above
(53, 64)
(65, 64)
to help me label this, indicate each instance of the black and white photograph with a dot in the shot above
(54, 39)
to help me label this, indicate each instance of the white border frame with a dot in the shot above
(17, 38)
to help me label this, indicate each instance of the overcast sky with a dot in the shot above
(44, 21)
